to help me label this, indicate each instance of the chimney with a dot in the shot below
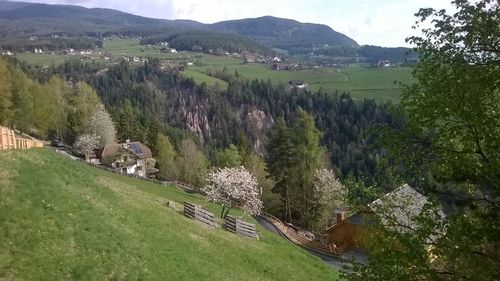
(339, 215)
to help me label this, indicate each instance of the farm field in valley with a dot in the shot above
(361, 82)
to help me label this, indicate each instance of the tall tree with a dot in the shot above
(279, 163)
(166, 157)
(451, 144)
(43, 114)
(192, 163)
(101, 125)
(127, 124)
(331, 194)
(5, 92)
(308, 157)
(22, 101)
(59, 92)
(229, 157)
(85, 102)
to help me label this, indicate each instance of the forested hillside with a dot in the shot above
(207, 41)
(193, 127)
(285, 33)
(19, 21)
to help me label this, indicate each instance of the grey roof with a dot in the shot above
(138, 149)
(400, 207)
(296, 82)
(397, 209)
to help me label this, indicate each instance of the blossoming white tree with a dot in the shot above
(330, 194)
(234, 187)
(102, 125)
(85, 144)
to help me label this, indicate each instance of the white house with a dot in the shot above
(131, 158)
(7, 53)
(298, 84)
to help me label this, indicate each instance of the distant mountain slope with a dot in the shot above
(24, 19)
(7, 5)
(38, 19)
(285, 33)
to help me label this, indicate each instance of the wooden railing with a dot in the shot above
(198, 213)
(9, 140)
(296, 238)
(240, 227)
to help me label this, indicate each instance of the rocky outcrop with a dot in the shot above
(258, 124)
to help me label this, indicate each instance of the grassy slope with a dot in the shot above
(60, 219)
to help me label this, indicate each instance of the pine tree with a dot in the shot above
(308, 157)
(279, 163)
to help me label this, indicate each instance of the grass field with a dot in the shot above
(60, 220)
(42, 59)
(131, 47)
(377, 83)
(361, 82)
(201, 77)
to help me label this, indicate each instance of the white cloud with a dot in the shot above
(381, 22)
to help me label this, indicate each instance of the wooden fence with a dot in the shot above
(198, 213)
(10, 140)
(240, 227)
(180, 185)
(294, 236)
(7, 139)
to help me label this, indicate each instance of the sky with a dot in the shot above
(370, 22)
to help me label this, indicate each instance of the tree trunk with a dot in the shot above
(222, 212)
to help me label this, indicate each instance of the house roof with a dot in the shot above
(140, 150)
(296, 82)
(398, 207)
(109, 153)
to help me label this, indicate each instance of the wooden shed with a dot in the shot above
(401, 205)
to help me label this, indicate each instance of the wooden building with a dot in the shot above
(398, 207)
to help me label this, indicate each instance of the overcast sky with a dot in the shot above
(376, 22)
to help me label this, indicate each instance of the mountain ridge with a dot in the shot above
(22, 19)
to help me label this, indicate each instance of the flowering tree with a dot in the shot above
(102, 125)
(330, 194)
(234, 187)
(85, 144)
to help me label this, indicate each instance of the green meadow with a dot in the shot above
(61, 219)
